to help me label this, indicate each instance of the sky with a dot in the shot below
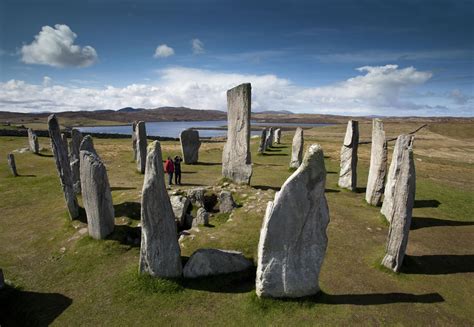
(392, 58)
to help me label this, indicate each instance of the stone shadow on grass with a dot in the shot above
(274, 154)
(207, 164)
(331, 190)
(128, 209)
(438, 264)
(266, 187)
(24, 308)
(422, 222)
(21, 175)
(122, 188)
(82, 216)
(426, 204)
(126, 235)
(45, 155)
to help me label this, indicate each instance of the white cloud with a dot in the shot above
(163, 51)
(47, 81)
(55, 47)
(198, 46)
(382, 90)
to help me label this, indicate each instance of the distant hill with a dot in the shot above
(274, 112)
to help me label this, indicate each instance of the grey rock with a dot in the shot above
(378, 165)
(134, 140)
(403, 142)
(160, 255)
(236, 158)
(269, 138)
(263, 137)
(74, 149)
(63, 166)
(277, 137)
(196, 196)
(210, 262)
(141, 146)
(297, 148)
(348, 165)
(96, 195)
(12, 164)
(190, 145)
(66, 146)
(226, 202)
(181, 207)
(87, 144)
(401, 214)
(202, 217)
(293, 237)
(33, 141)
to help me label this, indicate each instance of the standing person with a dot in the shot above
(177, 170)
(169, 169)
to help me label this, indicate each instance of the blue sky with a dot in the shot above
(332, 57)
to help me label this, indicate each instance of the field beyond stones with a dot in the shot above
(58, 275)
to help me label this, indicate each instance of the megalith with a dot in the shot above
(134, 139)
(236, 158)
(96, 195)
(33, 141)
(269, 138)
(378, 164)
(348, 165)
(12, 164)
(63, 166)
(297, 148)
(141, 146)
(87, 144)
(293, 237)
(160, 255)
(74, 159)
(401, 214)
(66, 146)
(403, 141)
(277, 137)
(263, 138)
(190, 145)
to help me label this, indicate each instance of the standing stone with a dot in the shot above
(269, 139)
(134, 140)
(202, 218)
(348, 165)
(263, 138)
(87, 144)
(297, 148)
(12, 164)
(277, 136)
(236, 158)
(96, 195)
(226, 202)
(160, 255)
(141, 146)
(403, 142)
(74, 149)
(293, 237)
(64, 138)
(401, 214)
(63, 166)
(378, 165)
(33, 141)
(190, 145)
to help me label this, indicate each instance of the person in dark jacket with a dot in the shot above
(177, 170)
(169, 169)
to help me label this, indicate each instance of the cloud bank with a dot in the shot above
(163, 51)
(55, 47)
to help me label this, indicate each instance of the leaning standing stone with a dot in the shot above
(236, 158)
(160, 255)
(12, 164)
(378, 164)
(96, 195)
(401, 214)
(293, 237)
(190, 145)
(141, 146)
(63, 166)
(74, 146)
(348, 165)
(263, 137)
(403, 142)
(134, 139)
(33, 141)
(277, 137)
(297, 148)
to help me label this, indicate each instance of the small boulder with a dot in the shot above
(196, 196)
(210, 262)
(226, 202)
(181, 207)
(202, 218)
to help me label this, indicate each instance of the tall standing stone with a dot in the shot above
(297, 148)
(263, 137)
(96, 195)
(64, 138)
(401, 214)
(160, 254)
(33, 141)
(87, 144)
(190, 145)
(141, 146)
(348, 165)
(277, 137)
(269, 138)
(293, 237)
(378, 165)
(134, 139)
(12, 164)
(74, 146)
(63, 166)
(236, 158)
(403, 142)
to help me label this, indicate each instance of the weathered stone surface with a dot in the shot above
(96, 195)
(293, 237)
(87, 144)
(181, 207)
(348, 165)
(297, 148)
(277, 137)
(63, 166)
(141, 146)
(202, 217)
(74, 149)
(160, 255)
(209, 262)
(263, 138)
(33, 141)
(378, 165)
(190, 145)
(196, 196)
(403, 142)
(134, 139)
(401, 214)
(236, 158)
(269, 138)
(226, 202)
(12, 164)
(66, 146)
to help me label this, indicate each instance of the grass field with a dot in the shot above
(58, 275)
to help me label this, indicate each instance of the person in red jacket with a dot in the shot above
(169, 169)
